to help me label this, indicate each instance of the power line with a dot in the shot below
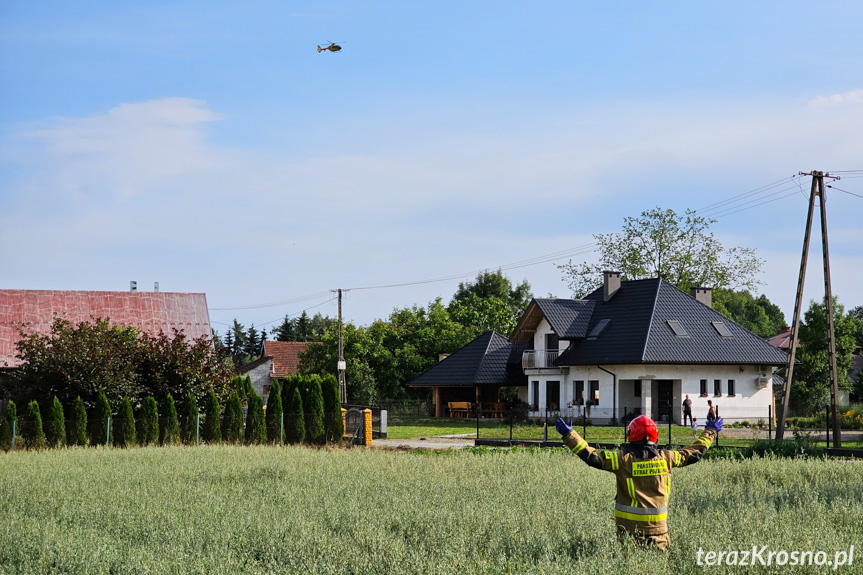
(749, 193)
(846, 191)
(734, 209)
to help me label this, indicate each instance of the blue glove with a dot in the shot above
(562, 427)
(714, 424)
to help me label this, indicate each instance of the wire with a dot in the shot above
(756, 205)
(749, 193)
(275, 303)
(846, 191)
(725, 211)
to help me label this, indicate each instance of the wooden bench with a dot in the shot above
(493, 409)
(459, 408)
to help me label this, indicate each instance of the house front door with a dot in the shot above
(664, 400)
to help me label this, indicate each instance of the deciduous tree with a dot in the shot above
(661, 243)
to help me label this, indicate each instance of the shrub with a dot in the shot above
(169, 427)
(212, 432)
(99, 421)
(55, 425)
(76, 433)
(232, 422)
(334, 426)
(295, 422)
(124, 425)
(148, 422)
(256, 427)
(274, 414)
(31, 432)
(190, 420)
(7, 425)
(313, 405)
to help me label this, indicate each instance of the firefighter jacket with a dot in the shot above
(643, 475)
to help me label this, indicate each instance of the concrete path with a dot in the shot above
(439, 442)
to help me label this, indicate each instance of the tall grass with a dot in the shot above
(226, 509)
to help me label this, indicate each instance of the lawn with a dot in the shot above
(278, 510)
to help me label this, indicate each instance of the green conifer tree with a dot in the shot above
(99, 421)
(212, 432)
(148, 422)
(124, 425)
(32, 433)
(169, 428)
(334, 426)
(190, 420)
(7, 426)
(295, 422)
(256, 426)
(55, 425)
(274, 413)
(232, 421)
(77, 432)
(314, 411)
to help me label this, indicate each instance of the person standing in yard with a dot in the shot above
(711, 412)
(687, 409)
(643, 473)
(694, 426)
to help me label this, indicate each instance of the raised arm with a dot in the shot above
(605, 460)
(694, 453)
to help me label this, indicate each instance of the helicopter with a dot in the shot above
(333, 47)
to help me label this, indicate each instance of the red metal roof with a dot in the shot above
(151, 311)
(782, 340)
(285, 356)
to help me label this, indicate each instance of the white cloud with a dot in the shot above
(850, 97)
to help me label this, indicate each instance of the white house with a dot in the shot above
(639, 347)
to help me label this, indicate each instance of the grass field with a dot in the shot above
(299, 510)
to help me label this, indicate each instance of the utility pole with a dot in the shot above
(817, 190)
(342, 365)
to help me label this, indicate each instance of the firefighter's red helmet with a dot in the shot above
(641, 427)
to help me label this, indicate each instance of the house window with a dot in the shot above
(552, 394)
(636, 388)
(703, 388)
(594, 392)
(534, 399)
(579, 393)
(552, 343)
(730, 387)
(717, 387)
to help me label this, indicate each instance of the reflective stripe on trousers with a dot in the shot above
(640, 513)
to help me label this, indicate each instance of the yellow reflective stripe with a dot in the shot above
(677, 458)
(630, 486)
(580, 446)
(705, 442)
(611, 456)
(634, 517)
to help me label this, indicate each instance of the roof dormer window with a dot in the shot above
(598, 328)
(721, 328)
(677, 328)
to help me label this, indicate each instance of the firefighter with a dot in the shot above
(643, 473)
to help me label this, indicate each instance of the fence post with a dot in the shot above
(545, 431)
(511, 417)
(14, 432)
(827, 425)
(477, 420)
(198, 430)
(584, 422)
(717, 417)
(108, 432)
(769, 422)
(282, 430)
(669, 430)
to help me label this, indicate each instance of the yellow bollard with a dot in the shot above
(344, 422)
(367, 427)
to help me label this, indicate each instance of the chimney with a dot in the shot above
(703, 295)
(133, 286)
(610, 284)
(155, 286)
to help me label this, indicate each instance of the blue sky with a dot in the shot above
(210, 147)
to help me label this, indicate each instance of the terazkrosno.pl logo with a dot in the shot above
(761, 556)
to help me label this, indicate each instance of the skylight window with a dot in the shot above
(597, 329)
(721, 328)
(677, 328)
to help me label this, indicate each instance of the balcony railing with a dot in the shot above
(539, 358)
